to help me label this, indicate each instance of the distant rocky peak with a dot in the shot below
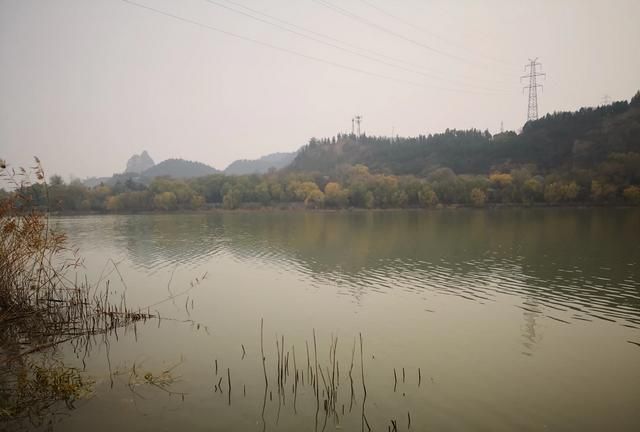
(139, 163)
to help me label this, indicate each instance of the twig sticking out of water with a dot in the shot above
(308, 361)
(353, 397)
(395, 380)
(394, 426)
(315, 355)
(264, 366)
(229, 383)
(364, 387)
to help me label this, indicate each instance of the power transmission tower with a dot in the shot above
(353, 126)
(358, 119)
(532, 111)
(606, 100)
(501, 126)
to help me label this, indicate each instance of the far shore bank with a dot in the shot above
(249, 208)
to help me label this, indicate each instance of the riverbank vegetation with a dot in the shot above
(615, 181)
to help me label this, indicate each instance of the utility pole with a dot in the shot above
(532, 110)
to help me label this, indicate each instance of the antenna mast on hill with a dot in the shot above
(532, 111)
(353, 126)
(358, 119)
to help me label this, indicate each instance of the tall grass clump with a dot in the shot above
(42, 304)
(34, 258)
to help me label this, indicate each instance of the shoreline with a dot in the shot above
(302, 209)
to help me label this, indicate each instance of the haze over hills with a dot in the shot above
(260, 166)
(587, 156)
(142, 169)
(558, 142)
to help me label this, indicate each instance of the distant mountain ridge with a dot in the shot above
(176, 168)
(261, 165)
(142, 168)
(139, 163)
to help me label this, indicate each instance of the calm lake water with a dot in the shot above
(494, 320)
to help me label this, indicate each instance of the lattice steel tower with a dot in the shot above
(532, 111)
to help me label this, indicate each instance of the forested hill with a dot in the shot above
(179, 168)
(565, 140)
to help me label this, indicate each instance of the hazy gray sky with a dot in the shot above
(85, 84)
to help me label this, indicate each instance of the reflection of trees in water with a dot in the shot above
(151, 241)
(530, 312)
(553, 255)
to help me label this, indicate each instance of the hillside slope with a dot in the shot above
(261, 165)
(579, 139)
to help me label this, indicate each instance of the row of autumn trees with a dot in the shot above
(615, 181)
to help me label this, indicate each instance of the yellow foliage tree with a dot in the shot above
(478, 197)
(335, 196)
(315, 199)
(500, 180)
(632, 195)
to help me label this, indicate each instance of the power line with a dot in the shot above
(287, 50)
(424, 30)
(532, 108)
(297, 33)
(268, 45)
(365, 21)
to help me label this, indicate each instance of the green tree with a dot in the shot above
(262, 193)
(165, 201)
(56, 180)
(197, 202)
(232, 199)
(427, 196)
(602, 191)
(532, 191)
